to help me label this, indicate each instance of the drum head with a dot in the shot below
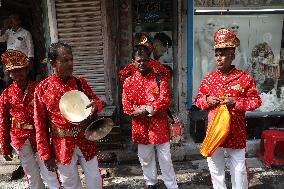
(73, 104)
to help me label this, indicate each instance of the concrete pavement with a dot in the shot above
(191, 174)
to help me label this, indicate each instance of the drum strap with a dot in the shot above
(79, 84)
(168, 110)
(79, 87)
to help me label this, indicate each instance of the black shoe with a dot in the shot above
(18, 173)
(152, 186)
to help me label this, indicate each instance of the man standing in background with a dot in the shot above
(18, 38)
(161, 44)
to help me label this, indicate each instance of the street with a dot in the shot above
(190, 175)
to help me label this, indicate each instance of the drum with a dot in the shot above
(72, 106)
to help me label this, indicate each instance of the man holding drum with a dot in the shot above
(62, 143)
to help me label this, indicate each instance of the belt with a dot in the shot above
(21, 126)
(73, 132)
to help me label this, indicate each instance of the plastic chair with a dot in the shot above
(271, 149)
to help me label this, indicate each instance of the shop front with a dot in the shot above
(259, 25)
(164, 21)
(31, 15)
(88, 27)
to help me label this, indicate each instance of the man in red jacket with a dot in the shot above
(17, 105)
(146, 98)
(68, 144)
(236, 89)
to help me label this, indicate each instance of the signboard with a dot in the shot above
(152, 11)
(238, 3)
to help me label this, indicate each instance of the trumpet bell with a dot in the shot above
(72, 106)
(99, 129)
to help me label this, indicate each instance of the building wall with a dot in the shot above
(118, 40)
(177, 30)
(90, 28)
(259, 25)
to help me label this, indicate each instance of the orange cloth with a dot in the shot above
(217, 131)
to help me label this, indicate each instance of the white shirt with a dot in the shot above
(20, 40)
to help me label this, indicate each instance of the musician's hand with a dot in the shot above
(93, 115)
(51, 164)
(94, 107)
(140, 111)
(213, 101)
(229, 101)
(8, 157)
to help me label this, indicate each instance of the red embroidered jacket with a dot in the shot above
(19, 106)
(46, 113)
(141, 90)
(240, 86)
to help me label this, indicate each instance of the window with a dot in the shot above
(259, 25)
(155, 17)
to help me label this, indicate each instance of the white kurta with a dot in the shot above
(20, 40)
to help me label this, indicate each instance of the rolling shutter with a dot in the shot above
(80, 25)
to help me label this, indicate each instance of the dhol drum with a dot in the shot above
(73, 107)
(73, 104)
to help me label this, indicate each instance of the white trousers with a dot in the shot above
(238, 169)
(35, 169)
(146, 154)
(69, 174)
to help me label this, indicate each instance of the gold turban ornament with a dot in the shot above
(225, 38)
(13, 59)
(145, 41)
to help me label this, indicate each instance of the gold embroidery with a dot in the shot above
(22, 126)
(238, 87)
(57, 132)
